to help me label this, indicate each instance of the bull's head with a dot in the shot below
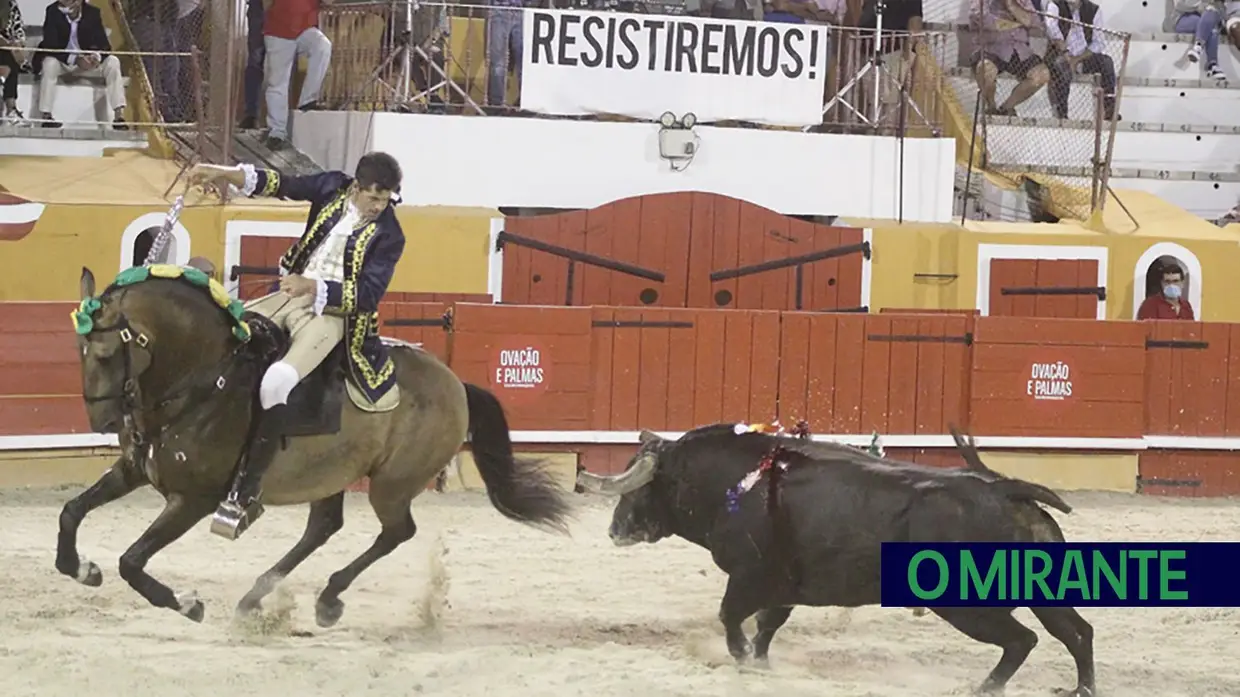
(643, 513)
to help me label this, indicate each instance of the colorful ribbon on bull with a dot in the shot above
(773, 464)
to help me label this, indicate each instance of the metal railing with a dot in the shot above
(1061, 136)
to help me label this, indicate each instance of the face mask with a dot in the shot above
(1172, 292)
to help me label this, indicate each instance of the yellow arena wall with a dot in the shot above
(936, 266)
(55, 228)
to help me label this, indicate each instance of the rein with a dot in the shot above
(201, 381)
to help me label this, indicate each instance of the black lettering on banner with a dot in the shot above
(566, 38)
(592, 22)
(710, 46)
(544, 34)
(738, 51)
(627, 27)
(617, 40)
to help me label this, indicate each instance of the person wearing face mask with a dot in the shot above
(331, 282)
(1170, 303)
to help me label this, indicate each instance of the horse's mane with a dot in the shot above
(190, 289)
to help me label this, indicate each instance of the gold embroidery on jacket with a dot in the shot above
(294, 254)
(271, 182)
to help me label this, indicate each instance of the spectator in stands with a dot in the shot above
(1077, 48)
(726, 9)
(1170, 303)
(12, 33)
(1003, 46)
(255, 55)
(291, 29)
(1201, 18)
(76, 44)
(503, 48)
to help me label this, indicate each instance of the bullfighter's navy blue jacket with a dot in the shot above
(370, 258)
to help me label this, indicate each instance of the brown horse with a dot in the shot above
(161, 367)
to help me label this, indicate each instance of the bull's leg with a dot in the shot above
(392, 509)
(1067, 625)
(326, 518)
(744, 596)
(769, 622)
(179, 515)
(119, 481)
(994, 625)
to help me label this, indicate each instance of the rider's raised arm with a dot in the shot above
(363, 293)
(269, 183)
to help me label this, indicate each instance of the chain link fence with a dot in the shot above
(1038, 93)
(465, 59)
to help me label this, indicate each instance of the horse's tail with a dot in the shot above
(519, 489)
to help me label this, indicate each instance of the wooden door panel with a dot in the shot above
(1023, 278)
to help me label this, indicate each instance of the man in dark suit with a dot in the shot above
(76, 44)
(331, 282)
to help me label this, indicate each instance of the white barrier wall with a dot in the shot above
(530, 162)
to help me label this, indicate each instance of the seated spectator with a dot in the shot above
(1201, 18)
(1170, 303)
(787, 11)
(256, 54)
(1231, 22)
(725, 9)
(75, 44)
(12, 33)
(290, 30)
(504, 22)
(1077, 48)
(1002, 28)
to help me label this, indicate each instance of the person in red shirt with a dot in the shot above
(291, 29)
(1170, 303)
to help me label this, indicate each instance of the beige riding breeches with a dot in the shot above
(312, 336)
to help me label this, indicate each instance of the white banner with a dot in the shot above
(579, 62)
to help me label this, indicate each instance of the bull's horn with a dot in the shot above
(648, 436)
(634, 478)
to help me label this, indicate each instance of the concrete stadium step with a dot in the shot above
(1162, 56)
(66, 142)
(1043, 142)
(78, 101)
(1168, 105)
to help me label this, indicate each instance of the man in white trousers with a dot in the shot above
(290, 30)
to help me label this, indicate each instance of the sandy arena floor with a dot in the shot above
(512, 612)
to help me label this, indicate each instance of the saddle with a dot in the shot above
(316, 404)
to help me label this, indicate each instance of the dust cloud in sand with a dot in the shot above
(478, 605)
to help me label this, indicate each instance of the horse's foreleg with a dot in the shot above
(121, 479)
(179, 515)
(326, 518)
(398, 528)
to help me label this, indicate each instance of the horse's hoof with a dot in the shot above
(89, 574)
(191, 607)
(249, 606)
(327, 612)
(1079, 691)
(763, 663)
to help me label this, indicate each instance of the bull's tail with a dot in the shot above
(520, 490)
(1019, 490)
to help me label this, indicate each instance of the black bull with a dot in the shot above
(820, 547)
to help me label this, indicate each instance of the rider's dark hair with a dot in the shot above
(377, 169)
(1170, 267)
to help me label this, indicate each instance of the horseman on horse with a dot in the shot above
(331, 282)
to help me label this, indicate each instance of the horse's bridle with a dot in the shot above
(128, 396)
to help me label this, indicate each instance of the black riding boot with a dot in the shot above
(242, 508)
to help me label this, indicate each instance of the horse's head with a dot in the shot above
(137, 340)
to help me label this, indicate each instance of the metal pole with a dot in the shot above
(406, 68)
(879, 6)
(968, 175)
